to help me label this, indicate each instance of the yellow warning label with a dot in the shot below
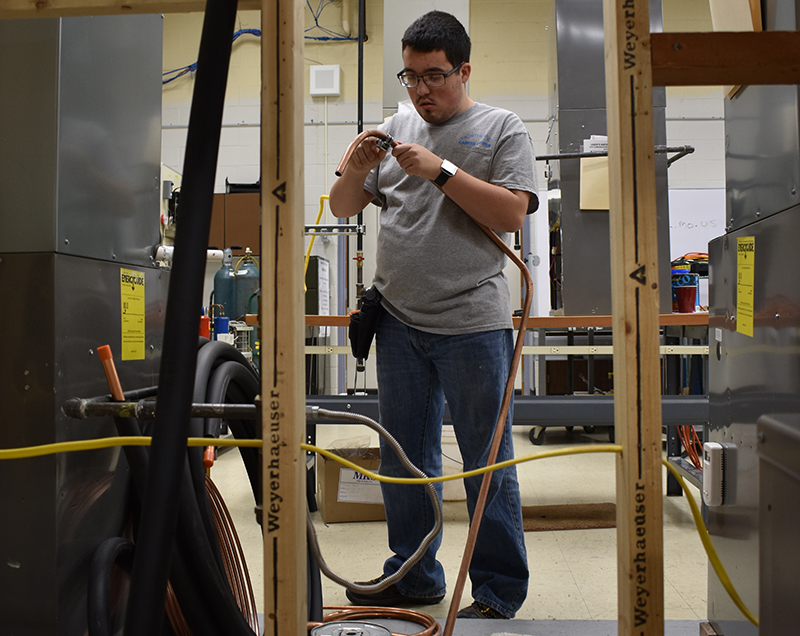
(745, 283)
(131, 294)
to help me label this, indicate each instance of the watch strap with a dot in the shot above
(448, 169)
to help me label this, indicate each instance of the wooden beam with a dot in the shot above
(282, 310)
(635, 303)
(13, 9)
(722, 59)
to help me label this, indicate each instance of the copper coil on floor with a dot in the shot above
(430, 625)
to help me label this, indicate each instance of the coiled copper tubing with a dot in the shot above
(430, 625)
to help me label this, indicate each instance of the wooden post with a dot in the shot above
(282, 318)
(635, 303)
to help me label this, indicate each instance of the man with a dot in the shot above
(446, 329)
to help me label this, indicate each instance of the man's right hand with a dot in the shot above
(365, 157)
(347, 195)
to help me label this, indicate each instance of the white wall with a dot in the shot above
(509, 70)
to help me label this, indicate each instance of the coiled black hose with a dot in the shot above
(210, 357)
(199, 582)
(196, 571)
(229, 381)
(167, 458)
(111, 551)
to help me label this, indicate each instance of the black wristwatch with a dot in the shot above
(448, 170)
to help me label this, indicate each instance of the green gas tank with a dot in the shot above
(247, 280)
(225, 285)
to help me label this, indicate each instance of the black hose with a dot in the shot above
(244, 429)
(224, 374)
(313, 588)
(111, 551)
(201, 589)
(234, 381)
(362, 25)
(201, 574)
(138, 457)
(162, 494)
(210, 356)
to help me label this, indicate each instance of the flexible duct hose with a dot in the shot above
(209, 357)
(230, 381)
(432, 494)
(162, 494)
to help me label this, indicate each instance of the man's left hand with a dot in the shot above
(417, 160)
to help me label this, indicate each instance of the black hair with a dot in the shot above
(437, 30)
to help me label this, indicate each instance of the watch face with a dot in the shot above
(448, 169)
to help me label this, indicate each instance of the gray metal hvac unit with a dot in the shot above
(80, 120)
(755, 372)
(580, 256)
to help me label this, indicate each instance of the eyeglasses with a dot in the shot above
(432, 80)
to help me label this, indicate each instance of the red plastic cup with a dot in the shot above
(686, 298)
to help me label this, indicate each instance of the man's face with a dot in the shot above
(438, 104)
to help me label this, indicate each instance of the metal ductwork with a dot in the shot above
(80, 119)
(579, 239)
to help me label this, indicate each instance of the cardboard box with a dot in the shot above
(344, 494)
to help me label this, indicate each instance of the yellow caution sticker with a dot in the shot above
(131, 294)
(745, 283)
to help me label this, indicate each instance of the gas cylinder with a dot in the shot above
(247, 279)
(225, 285)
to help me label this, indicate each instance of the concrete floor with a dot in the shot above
(573, 573)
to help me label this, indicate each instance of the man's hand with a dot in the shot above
(417, 160)
(493, 206)
(366, 156)
(348, 196)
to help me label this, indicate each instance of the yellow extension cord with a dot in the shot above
(313, 237)
(108, 442)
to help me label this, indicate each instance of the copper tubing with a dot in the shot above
(354, 144)
(480, 505)
(477, 515)
(233, 557)
(348, 613)
(107, 359)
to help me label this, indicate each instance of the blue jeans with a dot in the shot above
(417, 371)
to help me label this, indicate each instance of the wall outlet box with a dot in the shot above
(324, 80)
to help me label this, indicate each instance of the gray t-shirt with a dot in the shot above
(436, 269)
